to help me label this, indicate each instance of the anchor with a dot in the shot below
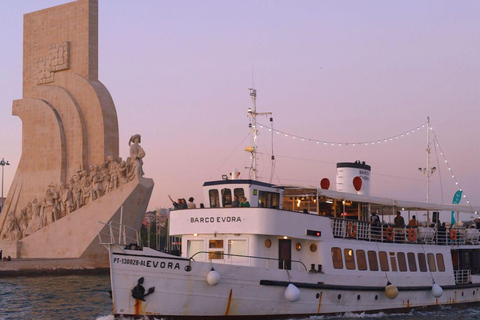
(138, 292)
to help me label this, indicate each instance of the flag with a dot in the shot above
(456, 200)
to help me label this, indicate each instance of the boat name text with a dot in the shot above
(213, 219)
(148, 263)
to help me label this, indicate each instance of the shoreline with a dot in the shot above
(51, 267)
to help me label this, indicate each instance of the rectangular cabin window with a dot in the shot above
(215, 249)
(412, 264)
(382, 255)
(226, 197)
(393, 261)
(194, 246)
(214, 198)
(431, 262)
(268, 199)
(337, 258)
(440, 262)
(372, 260)
(239, 192)
(237, 249)
(422, 262)
(349, 259)
(361, 260)
(402, 262)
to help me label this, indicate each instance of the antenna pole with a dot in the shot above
(252, 112)
(428, 171)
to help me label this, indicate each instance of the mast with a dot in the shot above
(428, 171)
(252, 113)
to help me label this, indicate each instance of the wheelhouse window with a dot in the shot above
(361, 260)
(349, 259)
(214, 198)
(372, 260)
(239, 193)
(195, 246)
(412, 264)
(226, 197)
(337, 258)
(268, 199)
(215, 249)
(383, 261)
(422, 263)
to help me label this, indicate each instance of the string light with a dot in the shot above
(351, 144)
(449, 168)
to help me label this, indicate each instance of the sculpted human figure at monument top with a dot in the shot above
(136, 155)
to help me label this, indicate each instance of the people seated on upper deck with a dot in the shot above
(399, 221)
(413, 222)
(244, 202)
(235, 202)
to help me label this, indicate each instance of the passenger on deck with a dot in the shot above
(244, 202)
(176, 205)
(442, 234)
(413, 222)
(191, 204)
(183, 204)
(375, 219)
(235, 202)
(399, 222)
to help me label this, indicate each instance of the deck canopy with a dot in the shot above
(382, 205)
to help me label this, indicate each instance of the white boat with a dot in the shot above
(296, 252)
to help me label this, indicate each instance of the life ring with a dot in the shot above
(453, 234)
(412, 235)
(389, 233)
(352, 230)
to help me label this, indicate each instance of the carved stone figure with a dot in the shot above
(29, 211)
(112, 170)
(12, 231)
(122, 172)
(35, 223)
(97, 183)
(86, 187)
(22, 221)
(105, 174)
(67, 201)
(136, 155)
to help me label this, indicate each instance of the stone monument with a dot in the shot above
(70, 174)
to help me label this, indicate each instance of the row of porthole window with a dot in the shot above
(398, 261)
(376, 296)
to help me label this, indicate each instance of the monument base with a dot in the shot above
(10, 248)
(75, 236)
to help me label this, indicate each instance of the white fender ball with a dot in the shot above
(391, 291)
(213, 277)
(437, 291)
(292, 293)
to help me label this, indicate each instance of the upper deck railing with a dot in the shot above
(361, 230)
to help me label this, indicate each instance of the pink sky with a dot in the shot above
(344, 71)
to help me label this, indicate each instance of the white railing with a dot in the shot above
(363, 230)
(462, 276)
(116, 233)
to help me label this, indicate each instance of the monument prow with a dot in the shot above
(70, 174)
